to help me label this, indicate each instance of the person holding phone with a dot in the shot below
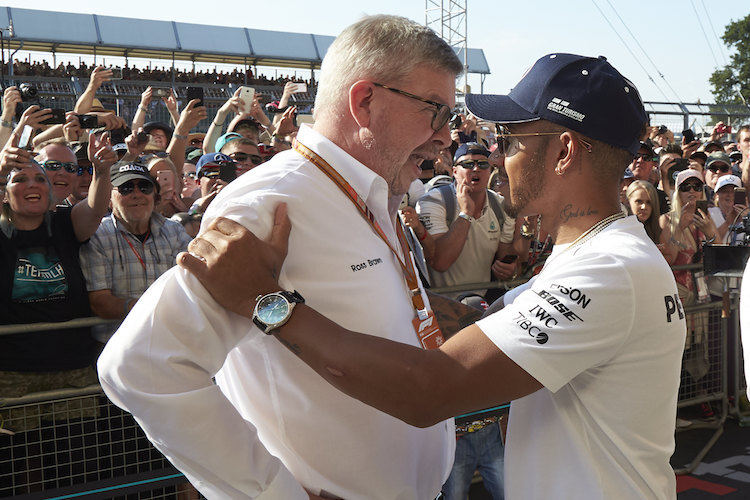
(730, 204)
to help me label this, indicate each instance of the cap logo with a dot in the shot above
(128, 168)
(559, 106)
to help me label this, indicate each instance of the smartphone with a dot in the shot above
(195, 93)
(299, 87)
(24, 142)
(228, 172)
(58, 117)
(88, 121)
(116, 74)
(247, 94)
(509, 259)
(740, 196)
(165, 178)
(305, 118)
(701, 205)
(689, 135)
(161, 91)
(141, 137)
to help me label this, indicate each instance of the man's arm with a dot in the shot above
(393, 377)
(98, 77)
(87, 214)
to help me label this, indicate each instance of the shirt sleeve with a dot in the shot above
(96, 264)
(432, 213)
(568, 320)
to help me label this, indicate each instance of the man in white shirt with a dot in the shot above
(589, 351)
(271, 428)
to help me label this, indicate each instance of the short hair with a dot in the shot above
(745, 128)
(239, 142)
(383, 48)
(56, 140)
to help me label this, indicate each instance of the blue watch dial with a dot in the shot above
(272, 309)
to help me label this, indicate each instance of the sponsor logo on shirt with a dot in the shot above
(673, 305)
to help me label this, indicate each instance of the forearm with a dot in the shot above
(139, 118)
(87, 216)
(52, 132)
(108, 306)
(84, 103)
(214, 132)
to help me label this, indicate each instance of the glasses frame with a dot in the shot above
(715, 169)
(474, 163)
(688, 186)
(128, 188)
(501, 136)
(252, 158)
(70, 167)
(89, 169)
(435, 113)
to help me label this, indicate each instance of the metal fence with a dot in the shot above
(76, 444)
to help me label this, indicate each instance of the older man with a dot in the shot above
(133, 246)
(589, 351)
(271, 428)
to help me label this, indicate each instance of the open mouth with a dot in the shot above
(32, 197)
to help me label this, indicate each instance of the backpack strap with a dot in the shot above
(449, 201)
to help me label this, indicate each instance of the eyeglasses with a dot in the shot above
(240, 157)
(644, 157)
(508, 143)
(144, 187)
(54, 166)
(467, 164)
(724, 168)
(441, 113)
(89, 169)
(188, 175)
(693, 185)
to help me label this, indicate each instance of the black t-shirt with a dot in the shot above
(41, 281)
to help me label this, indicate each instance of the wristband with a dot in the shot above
(423, 237)
(464, 215)
(142, 108)
(711, 240)
(180, 136)
(6, 124)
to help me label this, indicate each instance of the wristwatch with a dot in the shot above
(466, 216)
(275, 309)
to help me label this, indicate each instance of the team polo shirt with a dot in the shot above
(602, 329)
(272, 425)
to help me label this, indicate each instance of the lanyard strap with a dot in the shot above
(407, 267)
(143, 264)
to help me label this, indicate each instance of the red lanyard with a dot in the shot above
(143, 264)
(410, 273)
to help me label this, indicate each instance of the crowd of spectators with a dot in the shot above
(154, 74)
(158, 178)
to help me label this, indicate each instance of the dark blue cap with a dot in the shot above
(210, 158)
(583, 94)
(470, 148)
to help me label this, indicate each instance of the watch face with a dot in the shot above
(272, 309)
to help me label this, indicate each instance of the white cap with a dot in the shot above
(726, 180)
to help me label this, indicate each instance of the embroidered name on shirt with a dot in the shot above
(366, 264)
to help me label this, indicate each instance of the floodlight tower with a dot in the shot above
(447, 18)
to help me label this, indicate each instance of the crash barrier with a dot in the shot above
(74, 443)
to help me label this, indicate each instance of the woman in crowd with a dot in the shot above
(644, 204)
(725, 212)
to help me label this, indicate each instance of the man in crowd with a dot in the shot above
(61, 166)
(582, 350)
(243, 151)
(384, 98)
(717, 165)
(133, 246)
(469, 228)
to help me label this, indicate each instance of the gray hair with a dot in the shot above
(382, 48)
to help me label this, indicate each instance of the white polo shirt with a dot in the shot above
(268, 403)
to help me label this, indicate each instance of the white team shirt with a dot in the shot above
(745, 322)
(602, 329)
(268, 403)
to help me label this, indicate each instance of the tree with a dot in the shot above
(731, 84)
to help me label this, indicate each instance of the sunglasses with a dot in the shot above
(54, 166)
(716, 168)
(90, 170)
(468, 164)
(644, 157)
(693, 185)
(507, 143)
(188, 175)
(240, 157)
(145, 187)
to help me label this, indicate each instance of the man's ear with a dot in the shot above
(361, 95)
(568, 148)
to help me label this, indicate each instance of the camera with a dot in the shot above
(455, 122)
(662, 129)
(88, 121)
(28, 92)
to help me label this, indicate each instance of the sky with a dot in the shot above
(668, 48)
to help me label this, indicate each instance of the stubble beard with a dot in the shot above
(528, 188)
